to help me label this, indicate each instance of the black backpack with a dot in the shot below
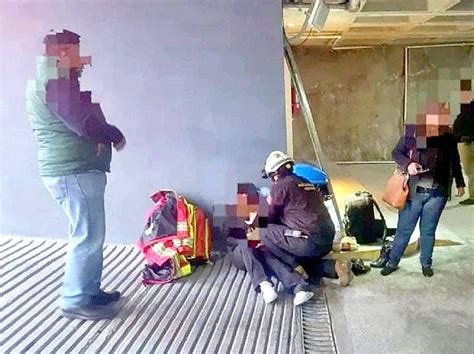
(360, 221)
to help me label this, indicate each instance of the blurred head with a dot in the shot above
(433, 122)
(65, 47)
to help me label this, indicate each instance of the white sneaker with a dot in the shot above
(268, 293)
(301, 297)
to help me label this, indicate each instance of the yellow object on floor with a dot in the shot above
(372, 252)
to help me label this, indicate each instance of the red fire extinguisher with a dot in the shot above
(295, 104)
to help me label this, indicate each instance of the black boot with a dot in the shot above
(427, 271)
(359, 267)
(388, 269)
(383, 258)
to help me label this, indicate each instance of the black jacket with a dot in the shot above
(463, 127)
(441, 156)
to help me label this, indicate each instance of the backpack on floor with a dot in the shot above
(360, 221)
(176, 233)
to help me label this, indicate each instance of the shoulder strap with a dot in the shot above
(381, 217)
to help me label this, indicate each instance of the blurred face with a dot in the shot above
(68, 57)
(434, 122)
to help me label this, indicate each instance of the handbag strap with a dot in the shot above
(385, 230)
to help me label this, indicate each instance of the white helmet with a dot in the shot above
(275, 160)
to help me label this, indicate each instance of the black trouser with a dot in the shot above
(261, 264)
(294, 251)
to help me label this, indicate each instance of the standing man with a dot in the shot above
(74, 153)
(463, 129)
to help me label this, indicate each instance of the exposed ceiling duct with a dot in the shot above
(318, 13)
(348, 5)
(378, 22)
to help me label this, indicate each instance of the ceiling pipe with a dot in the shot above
(462, 44)
(347, 5)
(309, 15)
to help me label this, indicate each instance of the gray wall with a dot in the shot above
(356, 97)
(197, 88)
(435, 75)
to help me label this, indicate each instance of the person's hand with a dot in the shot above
(460, 192)
(100, 148)
(269, 199)
(413, 168)
(120, 145)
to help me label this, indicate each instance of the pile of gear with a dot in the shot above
(177, 235)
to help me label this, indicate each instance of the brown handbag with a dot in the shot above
(396, 190)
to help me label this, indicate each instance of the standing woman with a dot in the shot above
(428, 153)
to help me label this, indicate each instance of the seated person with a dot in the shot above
(300, 229)
(261, 265)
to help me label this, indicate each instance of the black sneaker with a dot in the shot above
(105, 298)
(89, 312)
(427, 271)
(388, 269)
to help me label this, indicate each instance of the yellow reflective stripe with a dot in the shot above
(177, 266)
(169, 252)
(182, 226)
(181, 269)
(186, 270)
(177, 242)
(159, 248)
(194, 233)
(191, 217)
(207, 238)
(191, 226)
(307, 186)
(187, 242)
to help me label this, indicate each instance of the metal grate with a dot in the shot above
(317, 329)
(213, 310)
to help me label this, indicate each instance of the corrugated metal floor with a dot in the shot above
(212, 311)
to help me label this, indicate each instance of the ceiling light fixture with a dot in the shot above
(319, 15)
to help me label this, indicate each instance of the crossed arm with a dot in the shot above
(75, 109)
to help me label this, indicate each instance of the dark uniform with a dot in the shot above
(297, 207)
(261, 264)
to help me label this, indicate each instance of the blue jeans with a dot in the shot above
(82, 198)
(426, 207)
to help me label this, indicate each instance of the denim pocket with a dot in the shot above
(57, 187)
